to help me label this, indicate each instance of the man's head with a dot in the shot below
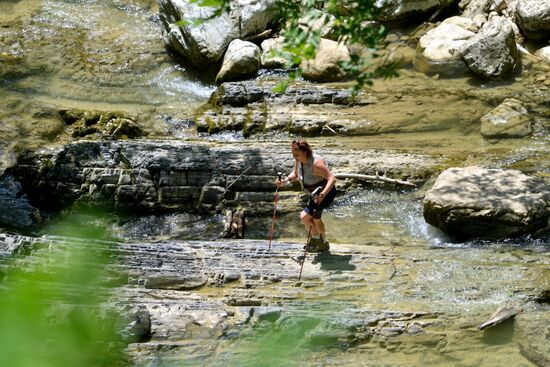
(301, 147)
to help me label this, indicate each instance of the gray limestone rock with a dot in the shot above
(152, 176)
(509, 120)
(439, 50)
(475, 202)
(207, 42)
(492, 53)
(134, 323)
(268, 60)
(241, 60)
(325, 66)
(533, 17)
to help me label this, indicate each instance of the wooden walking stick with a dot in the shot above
(276, 201)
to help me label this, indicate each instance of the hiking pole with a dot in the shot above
(305, 251)
(275, 202)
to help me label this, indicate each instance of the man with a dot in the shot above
(318, 182)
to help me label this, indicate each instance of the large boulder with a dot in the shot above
(17, 212)
(241, 60)
(325, 66)
(207, 42)
(533, 336)
(509, 120)
(533, 17)
(475, 202)
(492, 53)
(439, 50)
(395, 10)
(269, 46)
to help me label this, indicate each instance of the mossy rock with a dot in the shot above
(123, 128)
(253, 127)
(69, 117)
(109, 124)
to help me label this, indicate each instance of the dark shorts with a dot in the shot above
(316, 210)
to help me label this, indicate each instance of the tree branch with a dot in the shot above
(374, 178)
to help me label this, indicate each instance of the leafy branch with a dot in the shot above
(351, 22)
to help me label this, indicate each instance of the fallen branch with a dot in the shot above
(358, 176)
(394, 270)
(237, 179)
(258, 37)
(332, 130)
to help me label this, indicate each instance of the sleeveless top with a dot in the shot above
(308, 180)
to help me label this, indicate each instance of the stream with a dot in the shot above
(109, 55)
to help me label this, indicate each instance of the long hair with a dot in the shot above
(302, 145)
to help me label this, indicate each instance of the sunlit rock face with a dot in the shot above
(509, 120)
(207, 41)
(241, 60)
(159, 176)
(439, 50)
(393, 10)
(475, 202)
(492, 53)
(325, 66)
(533, 17)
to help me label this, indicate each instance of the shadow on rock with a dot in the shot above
(333, 262)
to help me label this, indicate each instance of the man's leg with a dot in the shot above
(308, 222)
(319, 227)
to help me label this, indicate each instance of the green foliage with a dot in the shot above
(219, 7)
(352, 23)
(51, 311)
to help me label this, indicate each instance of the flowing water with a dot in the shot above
(88, 55)
(109, 55)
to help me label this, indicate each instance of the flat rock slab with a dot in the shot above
(195, 298)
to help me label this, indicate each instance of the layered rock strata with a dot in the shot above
(184, 301)
(152, 176)
(308, 110)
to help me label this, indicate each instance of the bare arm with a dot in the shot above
(293, 175)
(321, 169)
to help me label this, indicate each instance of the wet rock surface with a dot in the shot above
(395, 106)
(386, 299)
(510, 119)
(348, 300)
(534, 337)
(16, 212)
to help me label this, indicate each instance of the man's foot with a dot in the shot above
(312, 244)
(298, 259)
(323, 245)
(317, 245)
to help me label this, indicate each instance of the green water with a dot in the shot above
(88, 55)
